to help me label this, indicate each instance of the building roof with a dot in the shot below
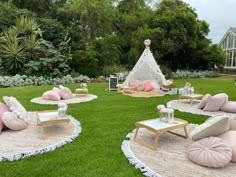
(233, 30)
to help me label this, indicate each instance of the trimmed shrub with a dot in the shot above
(23, 80)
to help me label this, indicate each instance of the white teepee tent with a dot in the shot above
(146, 68)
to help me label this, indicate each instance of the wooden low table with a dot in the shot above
(156, 126)
(191, 97)
(45, 118)
(81, 91)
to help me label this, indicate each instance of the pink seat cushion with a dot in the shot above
(202, 104)
(148, 86)
(133, 84)
(229, 106)
(215, 102)
(56, 90)
(65, 93)
(3, 108)
(230, 138)
(210, 152)
(12, 121)
(232, 124)
(51, 95)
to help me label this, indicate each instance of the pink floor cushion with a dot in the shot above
(133, 84)
(148, 86)
(3, 108)
(230, 138)
(215, 102)
(210, 152)
(140, 86)
(12, 121)
(50, 95)
(229, 106)
(232, 124)
(203, 102)
(65, 93)
(56, 90)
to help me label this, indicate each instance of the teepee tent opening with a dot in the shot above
(146, 68)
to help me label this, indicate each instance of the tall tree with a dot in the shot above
(95, 16)
(131, 26)
(182, 41)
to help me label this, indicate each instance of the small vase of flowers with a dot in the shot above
(162, 112)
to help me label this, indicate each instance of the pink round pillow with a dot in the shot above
(230, 138)
(65, 93)
(50, 95)
(3, 108)
(210, 152)
(12, 121)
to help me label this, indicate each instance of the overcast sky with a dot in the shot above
(219, 14)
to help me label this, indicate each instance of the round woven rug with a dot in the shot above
(184, 105)
(143, 94)
(169, 159)
(15, 145)
(75, 99)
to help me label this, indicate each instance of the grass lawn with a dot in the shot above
(105, 123)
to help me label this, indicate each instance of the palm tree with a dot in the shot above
(12, 50)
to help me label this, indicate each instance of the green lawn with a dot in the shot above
(105, 122)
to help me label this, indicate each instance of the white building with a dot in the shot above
(228, 44)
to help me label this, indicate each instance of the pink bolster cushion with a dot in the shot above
(211, 152)
(215, 102)
(148, 86)
(229, 106)
(12, 121)
(230, 138)
(50, 95)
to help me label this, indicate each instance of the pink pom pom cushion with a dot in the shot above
(229, 106)
(210, 152)
(12, 121)
(65, 93)
(212, 127)
(202, 104)
(230, 138)
(3, 109)
(215, 102)
(51, 95)
(148, 86)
